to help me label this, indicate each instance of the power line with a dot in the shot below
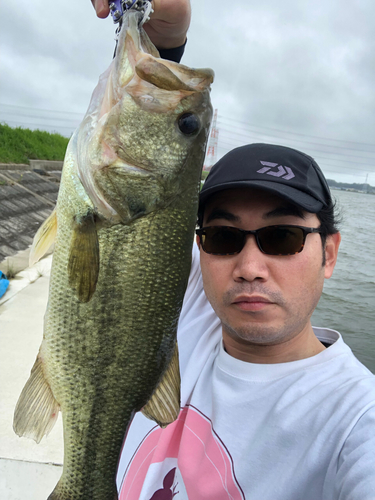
(298, 133)
(229, 138)
(233, 139)
(43, 110)
(40, 124)
(337, 148)
(74, 122)
(228, 146)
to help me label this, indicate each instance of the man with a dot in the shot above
(275, 309)
(271, 409)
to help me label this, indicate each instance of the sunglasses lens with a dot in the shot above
(222, 240)
(273, 240)
(281, 240)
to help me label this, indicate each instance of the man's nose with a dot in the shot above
(251, 262)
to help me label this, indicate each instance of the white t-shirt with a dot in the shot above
(303, 430)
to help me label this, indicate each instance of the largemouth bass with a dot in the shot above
(123, 230)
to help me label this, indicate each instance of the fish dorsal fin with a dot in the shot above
(164, 405)
(83, 265)
(37, 409)
(43, 238)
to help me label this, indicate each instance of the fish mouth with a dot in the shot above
(137, 81)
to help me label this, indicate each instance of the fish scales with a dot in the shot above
(126, 300)
(125, 219)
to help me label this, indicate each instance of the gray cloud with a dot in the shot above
(304, 69)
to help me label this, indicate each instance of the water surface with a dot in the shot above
(348, 300)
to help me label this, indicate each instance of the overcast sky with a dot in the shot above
(294, 72)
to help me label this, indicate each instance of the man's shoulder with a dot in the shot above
(341, 367)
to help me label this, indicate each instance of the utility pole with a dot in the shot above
(366, 185)
(212, 145)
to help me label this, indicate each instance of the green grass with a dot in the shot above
(204, 175)
(19, 145)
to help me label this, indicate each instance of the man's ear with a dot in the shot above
(198, 241)
(331, 251)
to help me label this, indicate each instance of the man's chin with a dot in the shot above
(257, 334)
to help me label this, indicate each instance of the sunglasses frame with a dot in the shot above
(305, 230)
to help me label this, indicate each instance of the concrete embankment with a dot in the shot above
(28, 194)
(28, 471)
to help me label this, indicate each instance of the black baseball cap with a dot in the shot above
(289, 173)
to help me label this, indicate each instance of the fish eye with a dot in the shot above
(188, 123)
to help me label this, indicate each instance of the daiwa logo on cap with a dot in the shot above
(280, 172)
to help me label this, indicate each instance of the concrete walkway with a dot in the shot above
(28, 471)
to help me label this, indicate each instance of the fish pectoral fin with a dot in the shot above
(83, 265)
(164, 405)
(43, 238)
(37, 409)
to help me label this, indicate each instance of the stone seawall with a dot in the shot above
(47, 165)
(28, 194)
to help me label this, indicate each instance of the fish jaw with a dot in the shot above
(138, 95)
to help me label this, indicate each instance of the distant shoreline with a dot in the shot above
(352, 190)
(356, 187)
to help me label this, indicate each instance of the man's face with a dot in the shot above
(263, 299)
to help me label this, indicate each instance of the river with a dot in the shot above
(348, 301)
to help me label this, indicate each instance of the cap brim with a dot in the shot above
(300, 198)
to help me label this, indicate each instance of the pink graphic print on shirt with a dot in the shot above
(168, 491)
(185, 461)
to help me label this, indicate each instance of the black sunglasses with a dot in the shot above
(271, 240)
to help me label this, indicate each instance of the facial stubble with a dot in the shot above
(256, 330)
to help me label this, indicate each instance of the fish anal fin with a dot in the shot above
(164, 405)
(83, 265)
(37, 409)
(43, 238)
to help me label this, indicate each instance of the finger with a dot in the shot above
(101, 8)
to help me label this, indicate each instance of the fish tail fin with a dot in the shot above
(43, 238)
(37, 409)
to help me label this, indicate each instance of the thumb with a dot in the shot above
(101, 8)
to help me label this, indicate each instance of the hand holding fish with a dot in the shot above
(168, 25)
